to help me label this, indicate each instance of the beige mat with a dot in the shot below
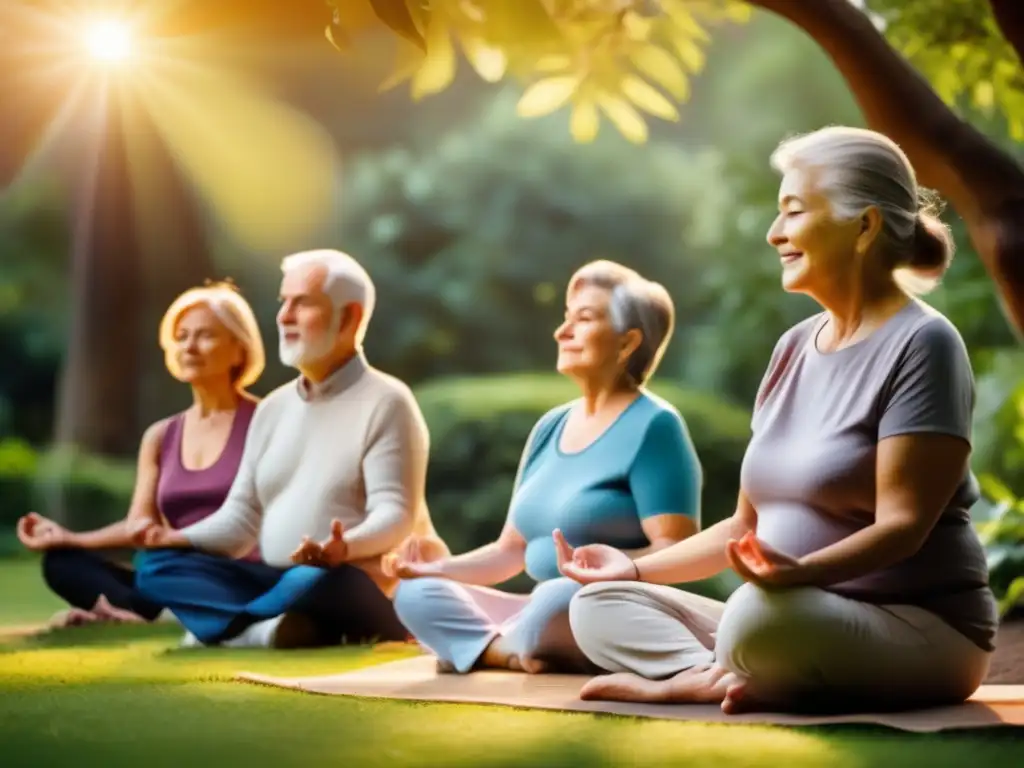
(415, 679)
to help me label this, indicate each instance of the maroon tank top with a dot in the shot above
(186, 496)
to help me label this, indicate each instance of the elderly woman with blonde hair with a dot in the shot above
(186, 463)
(614, 468)
(866, 585)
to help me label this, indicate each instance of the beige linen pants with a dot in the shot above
(795, 645)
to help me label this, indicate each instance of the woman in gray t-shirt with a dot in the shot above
(866, 585)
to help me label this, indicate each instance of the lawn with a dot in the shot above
(126, 696)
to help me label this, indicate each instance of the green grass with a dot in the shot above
(24, 598)
(126, 696)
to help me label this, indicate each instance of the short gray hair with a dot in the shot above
(634, 303)
(346, 281)
(863, 168)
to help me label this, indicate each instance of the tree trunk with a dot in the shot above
(982, 183)
(99, 381)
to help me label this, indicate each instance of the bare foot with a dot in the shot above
(528, 664)
(497, 656)
(72, 617)
(698, 685)
(104, 610)
(740, 697)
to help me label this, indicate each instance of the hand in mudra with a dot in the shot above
(329, 553)
(40, 533)
(147, 533)
(418, 556)
(594, 562)
(758, 563)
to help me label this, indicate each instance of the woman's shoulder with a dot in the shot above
(546, 423)
(654, 417)
(927, 334)
(156, 433)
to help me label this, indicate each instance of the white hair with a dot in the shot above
(233, 311)
(862, 168)
(346, 281)
(634, 303)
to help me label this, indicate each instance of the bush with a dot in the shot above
(479, 426)
(82, 491)
(1000, 525)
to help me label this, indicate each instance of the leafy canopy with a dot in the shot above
(616, 58)
(957, 45)
(629, 59)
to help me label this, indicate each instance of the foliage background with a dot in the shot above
(471, 218)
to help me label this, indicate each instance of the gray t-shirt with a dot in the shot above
(809, 470)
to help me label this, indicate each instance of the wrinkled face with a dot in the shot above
(588, 344)
(816, 250)
(306, 322)
(204, 348)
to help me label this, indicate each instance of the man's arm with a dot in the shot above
(395, 474)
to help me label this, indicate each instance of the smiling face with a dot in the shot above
(204, 348)
(817, 251)
(588, 344)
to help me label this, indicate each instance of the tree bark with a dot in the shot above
(1010, 18)
(983, 184)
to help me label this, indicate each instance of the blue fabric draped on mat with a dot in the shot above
(216, 598)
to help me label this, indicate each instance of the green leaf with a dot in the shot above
(489, 61)
(660, 66)
(438, 68)
(396, 15)
(994, 489)
(584, 123)
(547, 95)
(648, 99)
(625, 117)
(1014, 596)
(333, 35)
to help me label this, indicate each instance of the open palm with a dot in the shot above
(593, 562)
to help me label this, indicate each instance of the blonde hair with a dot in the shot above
(635, 303)
(224, 300)
(863, 168)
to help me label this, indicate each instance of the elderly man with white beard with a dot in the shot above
(332, 480)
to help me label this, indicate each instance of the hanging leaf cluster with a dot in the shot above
(620, 60)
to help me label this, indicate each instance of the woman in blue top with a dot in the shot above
(614, 467)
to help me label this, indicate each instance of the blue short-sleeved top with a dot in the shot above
(643, 465)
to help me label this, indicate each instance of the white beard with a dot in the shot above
(296, 353)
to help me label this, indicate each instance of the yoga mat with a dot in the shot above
(417, 680)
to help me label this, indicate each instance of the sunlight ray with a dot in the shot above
(265, 168)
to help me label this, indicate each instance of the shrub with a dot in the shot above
(1001, 528)
(82, 491)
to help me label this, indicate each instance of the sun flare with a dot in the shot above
(109, 40)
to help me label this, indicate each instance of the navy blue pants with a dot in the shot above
(216, 598)
(79, 577)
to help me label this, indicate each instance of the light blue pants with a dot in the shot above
(456, 622)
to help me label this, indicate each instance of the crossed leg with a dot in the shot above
(787, 650)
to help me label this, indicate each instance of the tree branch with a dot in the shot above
(948, 153)
(1010, 18)
(984, 184)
